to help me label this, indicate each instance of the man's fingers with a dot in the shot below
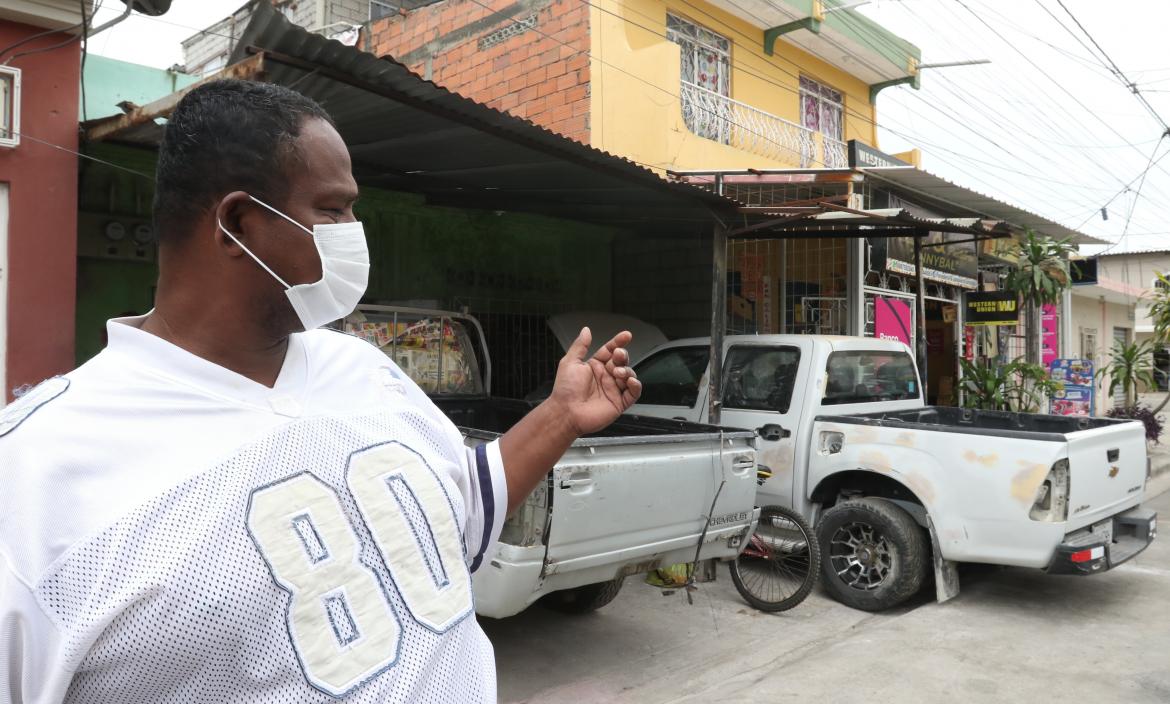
(620, 340)
(580, 346)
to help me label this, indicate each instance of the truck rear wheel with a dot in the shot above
(582, 600)
(874, 556)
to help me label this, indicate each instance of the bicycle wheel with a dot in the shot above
(780, 563)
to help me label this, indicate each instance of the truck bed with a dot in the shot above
(487, 418)
(971, 421)
(642, 494)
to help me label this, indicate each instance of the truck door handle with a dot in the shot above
(773, 432)
(577, 478)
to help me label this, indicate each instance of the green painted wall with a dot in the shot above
(109, 82)
(507, 265)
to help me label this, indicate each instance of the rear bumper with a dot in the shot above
(1105, 545)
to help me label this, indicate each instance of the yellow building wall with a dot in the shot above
(636, 111)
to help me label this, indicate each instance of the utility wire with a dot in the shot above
(1113, 67)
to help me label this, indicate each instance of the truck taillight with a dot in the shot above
(1051, 503)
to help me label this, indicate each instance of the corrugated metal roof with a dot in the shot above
(879, 222)
(943, 191)
(409, 134)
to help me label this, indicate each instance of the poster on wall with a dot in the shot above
(1049, 334)
(1074, 393)
(892, 319)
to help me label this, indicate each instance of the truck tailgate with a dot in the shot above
(625, 505)
(1107, 472)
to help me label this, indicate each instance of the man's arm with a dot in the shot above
(588, 395)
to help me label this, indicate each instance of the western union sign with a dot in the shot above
(992, 308)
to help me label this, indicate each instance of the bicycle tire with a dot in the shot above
(794, 559)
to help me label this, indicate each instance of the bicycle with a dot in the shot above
(781, 561)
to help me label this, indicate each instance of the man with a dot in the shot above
(230, 505)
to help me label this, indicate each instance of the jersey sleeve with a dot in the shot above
(31, 647)
(486, 501)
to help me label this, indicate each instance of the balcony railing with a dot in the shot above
(719, 118)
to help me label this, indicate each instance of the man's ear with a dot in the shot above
(230, 216)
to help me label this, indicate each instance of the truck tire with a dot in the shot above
(873, 555)
(582, 600)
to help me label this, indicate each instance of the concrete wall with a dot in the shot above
(1093, 314)
(1138, 271)
(207, 51)
(42, 219)
(529, 58)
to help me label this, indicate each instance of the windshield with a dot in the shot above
(865, 377)
(435, 352)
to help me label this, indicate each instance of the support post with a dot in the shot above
(920, 314)
(812, 24)
(718, 323)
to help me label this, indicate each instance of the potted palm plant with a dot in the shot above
(1040, 277)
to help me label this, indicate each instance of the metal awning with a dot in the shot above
(935, 192)
(409, 134)
(942, 191)
(830, 220)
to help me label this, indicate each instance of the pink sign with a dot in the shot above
(892, 319)
(1049, 334)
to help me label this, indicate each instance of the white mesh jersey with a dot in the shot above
(171, 531)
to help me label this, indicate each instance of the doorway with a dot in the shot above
(942, 352)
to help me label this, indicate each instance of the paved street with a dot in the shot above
(1012, 634)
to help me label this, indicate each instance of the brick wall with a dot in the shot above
(526, 57)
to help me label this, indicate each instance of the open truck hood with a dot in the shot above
(566, 326)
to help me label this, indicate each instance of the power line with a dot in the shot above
(1112, 64)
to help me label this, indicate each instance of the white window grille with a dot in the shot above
(822, 110)
(1089, 343)
(1160, 284)
(9, 106)
(706, 64)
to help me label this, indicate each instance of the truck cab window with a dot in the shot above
(760, 378)
(671, 377)
(866, 377)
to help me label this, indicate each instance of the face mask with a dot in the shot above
(345, 271)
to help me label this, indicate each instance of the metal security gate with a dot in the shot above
(1120, 335)
(788, 286)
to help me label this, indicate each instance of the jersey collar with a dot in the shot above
(286, 397)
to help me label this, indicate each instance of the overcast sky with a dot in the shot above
(1046, 126)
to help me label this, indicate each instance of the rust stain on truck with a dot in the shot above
(1027, 481)
(989, 460)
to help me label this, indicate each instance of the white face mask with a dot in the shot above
(345, 271)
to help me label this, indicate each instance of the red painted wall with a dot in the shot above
(42, 207)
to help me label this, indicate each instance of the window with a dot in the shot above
(9, 106)
(671, 377)
(821, 108)
(1160, 283)
(1089, 343)
(381, 8)
(865, 377)
(706, 77)
(760, 378)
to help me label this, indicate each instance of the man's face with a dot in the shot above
(321, 190)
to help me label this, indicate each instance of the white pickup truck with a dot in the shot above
(893, 486)
(642, 494)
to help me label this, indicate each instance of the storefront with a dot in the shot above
(868, 285)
